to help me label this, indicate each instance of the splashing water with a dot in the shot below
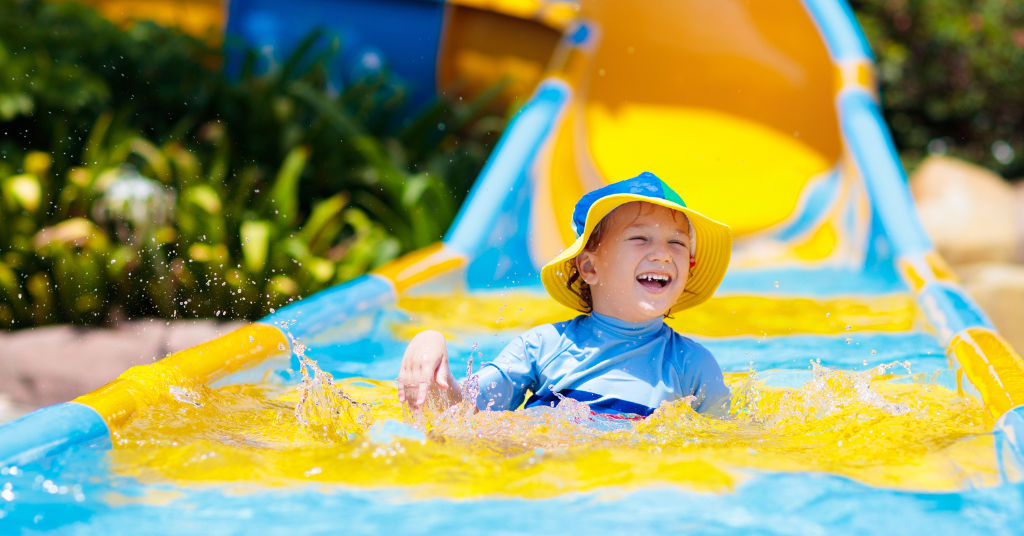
(323, 407)
(184, 394)
(869, 426)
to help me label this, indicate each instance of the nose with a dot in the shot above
(659, 253)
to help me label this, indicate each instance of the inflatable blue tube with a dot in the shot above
(49, 431)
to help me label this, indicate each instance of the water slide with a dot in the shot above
(865, 379)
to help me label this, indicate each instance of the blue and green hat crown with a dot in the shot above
(646, 184)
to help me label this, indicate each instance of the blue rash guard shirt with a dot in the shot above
(615, 367)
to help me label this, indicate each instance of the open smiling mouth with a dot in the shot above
(653, 281)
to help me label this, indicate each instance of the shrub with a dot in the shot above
(952, 76)
(136, 180)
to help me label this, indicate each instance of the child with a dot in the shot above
(639, 256)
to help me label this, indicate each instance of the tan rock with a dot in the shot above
(999, 289)
(969, 211)
(52, 364)
(1018, 199)
(9, 410)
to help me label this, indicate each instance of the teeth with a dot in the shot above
(650, 277)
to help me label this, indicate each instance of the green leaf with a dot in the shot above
(22, 192)
(205, 197)
(283, 201)
(255, 236)
(153, 156)
(12, 291)
(324, 223)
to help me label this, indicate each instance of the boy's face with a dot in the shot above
(639, 269)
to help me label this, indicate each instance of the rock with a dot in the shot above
(999, 289)
(969, 212)
(9, 410)
(53, 364)
(1018, 199)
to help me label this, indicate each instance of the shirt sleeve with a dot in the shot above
(503, 382)
(713, 397)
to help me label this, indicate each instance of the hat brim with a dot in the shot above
(711, 254)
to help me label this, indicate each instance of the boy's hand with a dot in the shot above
(425, 364)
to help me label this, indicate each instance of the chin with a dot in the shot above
(653, 310)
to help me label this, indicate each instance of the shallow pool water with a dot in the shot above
(859, 430)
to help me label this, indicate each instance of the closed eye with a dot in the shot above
(644, 238)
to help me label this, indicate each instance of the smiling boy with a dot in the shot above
(640, 255)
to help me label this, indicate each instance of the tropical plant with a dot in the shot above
(116, 200)
(167, 235)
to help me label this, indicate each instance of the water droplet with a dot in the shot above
(873, 352)
(848, 327)
(848, 340)
(828, 315)
(280, 346)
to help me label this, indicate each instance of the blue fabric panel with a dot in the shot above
(49, 431)
(840, 28)
(404, 34)
(819, 200)
(331, 307)
(950, 310)
(880, 258)
(1012, 424)
(506, 262)
(879, 163)
(507, 167)
(493, 225)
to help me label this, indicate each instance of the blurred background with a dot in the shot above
(167, 171)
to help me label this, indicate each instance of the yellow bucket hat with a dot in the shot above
(710, 246)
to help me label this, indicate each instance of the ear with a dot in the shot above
(585, 266)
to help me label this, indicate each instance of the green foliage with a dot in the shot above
(952, 74)
(136, 180)
(231, 250)
(62, 64)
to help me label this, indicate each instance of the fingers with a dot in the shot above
(421, 392)
(425, 362)
(415, 379)
(442, 372)
(422, 375)
(404, 377)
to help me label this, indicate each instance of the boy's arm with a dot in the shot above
(425, 369)
(713, 397)
(504, 381)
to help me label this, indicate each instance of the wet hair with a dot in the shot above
(575, 283)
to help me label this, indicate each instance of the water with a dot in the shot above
(316, 442)
(870, 426)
